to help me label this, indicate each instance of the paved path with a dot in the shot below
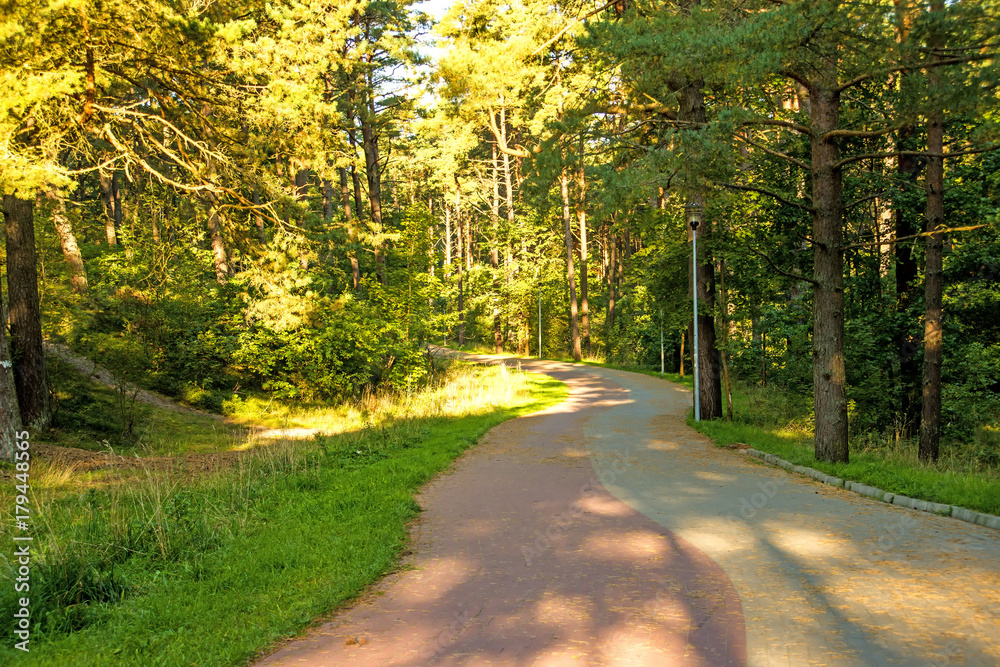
(604, 531)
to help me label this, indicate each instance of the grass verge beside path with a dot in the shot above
(779, 423)
(214, 570)
(894, 469)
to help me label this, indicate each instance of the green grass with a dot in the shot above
(779, 423)
(215, 570)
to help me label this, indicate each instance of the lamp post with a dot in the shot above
(694, 212)
(539, 314)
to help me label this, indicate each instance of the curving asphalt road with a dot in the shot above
(605, 531)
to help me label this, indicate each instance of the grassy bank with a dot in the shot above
(780, 423)
(210, 570)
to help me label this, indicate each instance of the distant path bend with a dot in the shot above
(604, 531)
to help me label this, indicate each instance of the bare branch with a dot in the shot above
(777, 154)
(779, 123)
(796, 276)
(943, 156)
(568, 26)
(859, 134)
(775, 195)
(914, 236)
(914, 66)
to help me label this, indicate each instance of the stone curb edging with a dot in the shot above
(987, 520)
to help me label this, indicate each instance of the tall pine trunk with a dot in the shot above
(829, 375)
(458, 262)
(709, 380)
(495, 251)
(219, 255)
(352, 230)
(70, 248)
(905, 223)
(110, 230)
(581, 212)
(374, 174)
(570, 275)
(26, 344)
(930, 422)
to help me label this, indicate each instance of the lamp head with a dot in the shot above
(694, 213)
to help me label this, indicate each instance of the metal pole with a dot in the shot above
(661, 342)
(539, 315)
(694, 268)
(539, 321)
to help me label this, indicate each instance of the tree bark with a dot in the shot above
(458, 262)
(116, 199)
(709, 381)
(10, 416)
(930, 422)
(905, 222)
(570, 275)
(327, 200)
(724, 314)
(26, 344)
(374, 175)
(219, 255)
(71, 251)
(581, 212)
(829, 375)
(108, 208)
(494, 253)
(612, 271)
(352, 230)
(258, 219)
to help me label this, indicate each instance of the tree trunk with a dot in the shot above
(905, 222)
(108, 208)
(9, 414)
(458, 262)
(447, 240)
(581, 212)
(709, 381)
(258, 219)
(725, 340)
(327, 200)
(116, 198)
(612, 271)
(930, 422)
(352, 230)
(570, 276)
(26, 345)
(373, 172)
(71, 251)
(682, 354)
(494, 253)
(829, 375)
(219, 255)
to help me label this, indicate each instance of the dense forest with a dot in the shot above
(213, 198)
